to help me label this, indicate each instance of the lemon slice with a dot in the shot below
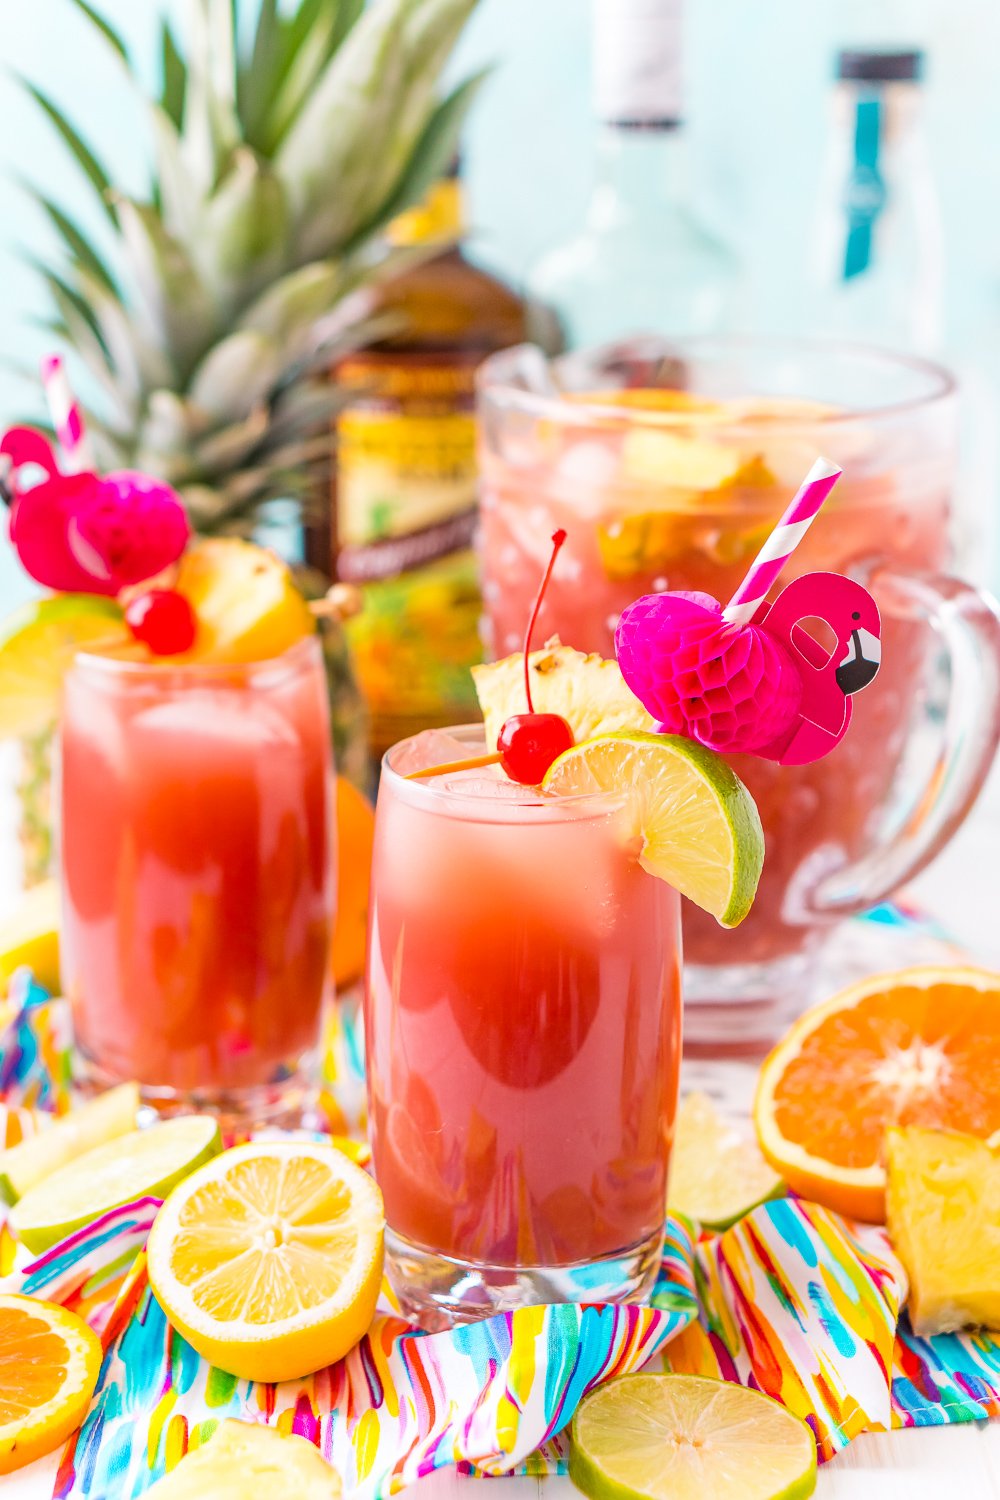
(244, 1459)
(685, 1437)
(699, 825)
(49, 1363)
(37, 646)
(269, 1259)
(29, 937)
(102, 1119)
(656, 398)
(142, 1164)
(717, 1174)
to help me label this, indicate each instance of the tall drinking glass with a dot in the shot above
(522, 1016)
(196, 866)
(668, 463)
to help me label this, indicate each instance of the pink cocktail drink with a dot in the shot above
(523, 1015)
(196, 858)
(661, 488)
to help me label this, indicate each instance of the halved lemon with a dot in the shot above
(916, 1047)
(699, 825)
(49, 1364)
(37, 646)
(244, 1459)
(269, 1258)
(686, 1437)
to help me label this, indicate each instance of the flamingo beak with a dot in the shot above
(859, 666)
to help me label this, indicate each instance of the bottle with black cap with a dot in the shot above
(879, 259)
(644, 261)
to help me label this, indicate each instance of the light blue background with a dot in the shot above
(758, 87)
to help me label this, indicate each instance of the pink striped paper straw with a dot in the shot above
(66, 419)
(782, 542)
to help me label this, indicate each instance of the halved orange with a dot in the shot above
(916, 1047)
(49, 1364)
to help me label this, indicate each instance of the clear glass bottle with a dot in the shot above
(643, 261)
(878, 255)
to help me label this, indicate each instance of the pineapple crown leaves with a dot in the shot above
(275, 165)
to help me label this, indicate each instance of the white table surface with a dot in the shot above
(962, 889)
(915, 1465)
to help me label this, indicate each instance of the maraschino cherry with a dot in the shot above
(163, 620)
(529, 743)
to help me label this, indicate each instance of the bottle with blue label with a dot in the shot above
(878, 257)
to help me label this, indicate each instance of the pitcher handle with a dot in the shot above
(967, 620)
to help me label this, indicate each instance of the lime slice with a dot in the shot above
(102, 1119)
(685, 1437)
(699, 825)
(142, 1164)
(37, 646)
(717, 1174)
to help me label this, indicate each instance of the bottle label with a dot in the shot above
(439, 215)
(637, 62)
(406, 520)
(865, 198)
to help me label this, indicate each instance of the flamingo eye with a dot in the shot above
(856, 615)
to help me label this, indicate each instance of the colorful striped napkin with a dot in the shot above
(793, 1300)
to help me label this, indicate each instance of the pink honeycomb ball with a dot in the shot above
(83, 533)
(733, 688)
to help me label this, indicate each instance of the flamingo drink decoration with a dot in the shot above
(750, 678)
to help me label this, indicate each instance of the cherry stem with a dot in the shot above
(558, 537)
(472, 764)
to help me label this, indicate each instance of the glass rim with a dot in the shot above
(452, 800)
(265, 670)
(581, 412)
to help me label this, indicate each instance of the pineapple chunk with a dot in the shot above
(943, 1204)
(244, 1461)
(688, 467)
(588, 691)
(245, 599)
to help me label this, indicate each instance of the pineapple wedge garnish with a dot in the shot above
(588, 691)
(943, 1208)
(245, 600)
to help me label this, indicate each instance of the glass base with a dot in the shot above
(740, 1010)
(288, 1104)
(437, 1292)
